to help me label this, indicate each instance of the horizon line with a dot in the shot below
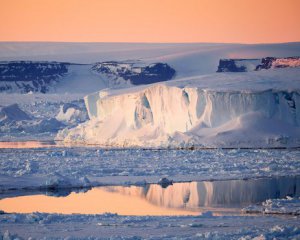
(239, 43)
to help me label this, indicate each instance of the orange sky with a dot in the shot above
(245, 21)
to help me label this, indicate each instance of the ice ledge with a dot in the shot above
(186, 114)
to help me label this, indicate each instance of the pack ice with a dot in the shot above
(249, 109)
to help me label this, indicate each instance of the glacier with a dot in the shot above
(215, 110)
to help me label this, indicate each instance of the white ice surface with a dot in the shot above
(112, 226)
(80, 79)
(34, 168)
(254, 109)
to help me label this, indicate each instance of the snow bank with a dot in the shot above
(185, 113)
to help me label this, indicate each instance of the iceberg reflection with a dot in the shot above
(229, 193)
(190, 198)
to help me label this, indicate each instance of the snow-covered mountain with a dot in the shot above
(188, 60)
(42, 76)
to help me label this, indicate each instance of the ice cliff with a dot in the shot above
(232, 112)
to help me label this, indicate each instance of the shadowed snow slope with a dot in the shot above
(12, 113)
(254, 109)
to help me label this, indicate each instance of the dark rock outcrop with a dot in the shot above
(246, 65)
(137, 75)
(235, 65)
(30, 76)
(268, 62)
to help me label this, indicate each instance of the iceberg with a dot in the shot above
(253, 109)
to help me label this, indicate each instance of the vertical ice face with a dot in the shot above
(143, 113)
(183, 114)
(171, 107)
(222, 107)
(160, 111)
(91, 104)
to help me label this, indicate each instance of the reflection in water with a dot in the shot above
(42, 144)
(97, 200)
(230, 193)
(178, 199)
(27, 144)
